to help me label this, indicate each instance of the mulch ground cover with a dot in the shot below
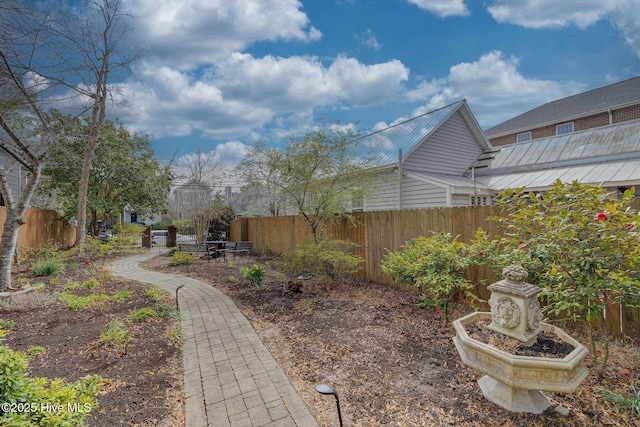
(392, 362)
(145, 380)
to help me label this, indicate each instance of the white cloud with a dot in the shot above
(290, 84)
(550, 13)
(369, 40)
(362, 84)
(626, 18)
(242, 94)
(495, 89)
(623, 15)
(443, 8)
(185, 35)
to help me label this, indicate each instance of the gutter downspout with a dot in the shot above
(400, 172)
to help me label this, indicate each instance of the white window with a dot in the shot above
(564, 128)
(357, 201)
(523, 137)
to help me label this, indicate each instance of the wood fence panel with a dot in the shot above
(380, 231)
(42, 227)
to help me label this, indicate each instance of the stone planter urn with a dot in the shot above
(511, 381)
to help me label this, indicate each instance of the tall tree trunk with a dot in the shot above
(15, 213)
(97, 119)
(8, 247)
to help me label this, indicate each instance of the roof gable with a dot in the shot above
(410, 134)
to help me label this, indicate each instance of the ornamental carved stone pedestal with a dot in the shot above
(510, 381)
(515, 311)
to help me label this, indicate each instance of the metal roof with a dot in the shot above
(607, 155)
(604, 144)
(457, 182)
(384, 144)
(608, 174)
(594, 101)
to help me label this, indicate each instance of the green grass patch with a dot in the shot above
(121, 295)
(116, 334)
(48, 267)
(155, 293)
(143, 315)
(35, 350)
(74, 301)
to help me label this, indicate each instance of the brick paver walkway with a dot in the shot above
(230, 378)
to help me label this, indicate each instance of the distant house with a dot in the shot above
(424, 162)
(605, 106)
(191, 198)
(443, 159)
(592, 137)
(16, 177)
(607, 156)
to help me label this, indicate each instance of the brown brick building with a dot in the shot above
(605, 106)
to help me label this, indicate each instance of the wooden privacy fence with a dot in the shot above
(376, 232)
(41, 228)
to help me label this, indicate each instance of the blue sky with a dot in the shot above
(219, 75)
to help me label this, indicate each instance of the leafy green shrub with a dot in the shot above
(172, 251)
(254, 274)
(185, 258)
(92, 248)
(580, 244)
(37, 394)
(33, 256)
(159, 226)
(436, 266)
(143, 314)
(326, 260)
(6, 324)
(116, 334)
(48, 267)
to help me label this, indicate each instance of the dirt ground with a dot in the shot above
(145, 383)
(392, 362)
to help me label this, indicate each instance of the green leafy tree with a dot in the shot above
(317, 174)
(219, 219)
(435, 265)
(261, 171)
(580, 244)
(124, 174)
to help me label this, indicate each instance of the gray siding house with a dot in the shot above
(443, 159)
(424, 162)
(15, 175)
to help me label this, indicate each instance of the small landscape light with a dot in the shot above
(327, 389)
(177, 289)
